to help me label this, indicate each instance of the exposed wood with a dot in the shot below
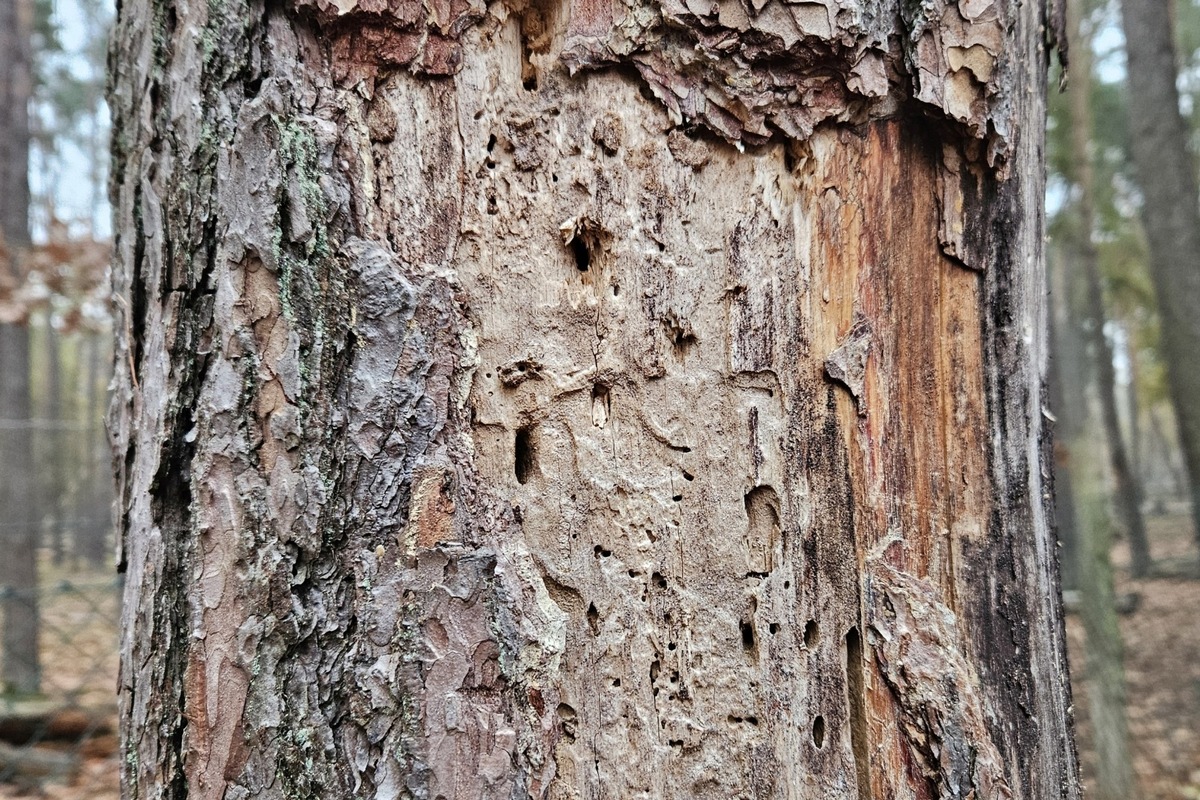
(488, 431)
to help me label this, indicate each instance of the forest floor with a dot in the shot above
(1162, 662)
(1162, 668)
(80, 613)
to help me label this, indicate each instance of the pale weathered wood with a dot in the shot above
(671, 428)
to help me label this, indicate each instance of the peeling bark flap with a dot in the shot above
(848, 363)
(395, 33)
(745, 67)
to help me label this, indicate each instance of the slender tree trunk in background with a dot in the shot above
(487, 430)
(94, 512)
(1166, 453)
(53, 479)
(1104, 670)
(1084, 528)
(96, 160)
(1137, 458)
(1167, 177)
(1065, 369)
(18, 501)
(1127, 497)
(1079, 479)
(1127, 491)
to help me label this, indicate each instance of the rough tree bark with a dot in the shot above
(1166, 174)
(18, 501)
(584, 400)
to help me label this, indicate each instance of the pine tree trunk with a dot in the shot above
(18, 497)
(1078, 330)
(53, 481)
(1104, 669)
(1081, 513)
(1137, 456)
(1170, 213)
(671, 427)
(1127, 494)
(1066, 369)
(92, 542)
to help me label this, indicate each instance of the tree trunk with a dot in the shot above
(670, 428)
(1127, 497)
(1167, 177)
(1079, 476)
(94, 512)
(1137, 456)
(1066, 369)
(53, 483)
(18, 497)
(1081, 512)
(1104, 670)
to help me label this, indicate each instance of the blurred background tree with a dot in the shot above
(54, 321)
(1165, 172)
(1120, 388)
(19, 667)
(67, 295)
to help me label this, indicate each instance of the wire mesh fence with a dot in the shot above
(58, 710)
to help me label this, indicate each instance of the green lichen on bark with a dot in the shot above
(310, 279)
